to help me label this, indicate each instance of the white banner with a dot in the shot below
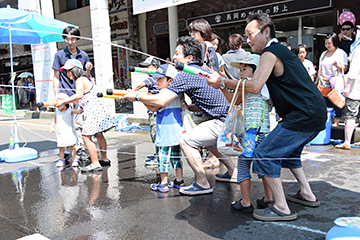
(43, 73)
(141, 6)
(42, 54)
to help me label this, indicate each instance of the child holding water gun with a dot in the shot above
(64, 126)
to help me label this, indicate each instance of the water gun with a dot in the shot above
(192, 70)
(121, 92)
(101, 95)
(141, 70)
(49, 103)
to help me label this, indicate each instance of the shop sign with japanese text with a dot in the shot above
(279, 8)
(119, 23)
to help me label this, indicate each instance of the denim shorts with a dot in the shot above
(281, 148)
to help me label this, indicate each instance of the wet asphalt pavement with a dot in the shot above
(117, 203)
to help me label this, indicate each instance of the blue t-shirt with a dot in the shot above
(66, 85)
(168, 124)
(31, 88)
(209, 100)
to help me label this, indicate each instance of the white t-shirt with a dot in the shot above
(309, 66)
(327, 69)
(354, 73)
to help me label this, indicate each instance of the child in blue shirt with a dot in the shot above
(168, 133)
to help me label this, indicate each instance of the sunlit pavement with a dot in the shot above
(117, 203)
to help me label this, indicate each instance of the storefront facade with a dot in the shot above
(297, 21)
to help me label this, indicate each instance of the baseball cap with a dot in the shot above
(150, 61)
(253, 59)
(71, 63)
(165, 70)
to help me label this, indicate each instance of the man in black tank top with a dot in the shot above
(299, 104)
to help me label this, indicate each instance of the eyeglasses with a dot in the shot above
(71, 40)
(345, 29)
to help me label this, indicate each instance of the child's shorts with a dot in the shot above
(167, 155)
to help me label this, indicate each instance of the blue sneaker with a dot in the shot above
(159, 187)
(176, 184)
(150, 160)
(195, 189)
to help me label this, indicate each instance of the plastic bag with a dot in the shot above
(231, 138)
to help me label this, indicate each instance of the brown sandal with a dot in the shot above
(343, 146)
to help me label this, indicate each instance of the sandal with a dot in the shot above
(343, 146)
(75, 163)
(298, 198)
(237, 205)
(60, 163)
(92, 168)
(106, 162)
(262, 204)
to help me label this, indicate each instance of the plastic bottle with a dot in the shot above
(11, 142)
(250, 141)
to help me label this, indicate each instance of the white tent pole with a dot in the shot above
(13, 82)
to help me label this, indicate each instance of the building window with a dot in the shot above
(75, 4)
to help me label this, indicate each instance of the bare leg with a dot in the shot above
(336, 122)
(62, 152)
(164, 178)
(102, 145)
(193, 157)
(349, 129)
(268, 193)
(73, 152)
(245, 192)
(91, 149)
(179, 174)
(305, 188)
(278, 192)
(227, 161)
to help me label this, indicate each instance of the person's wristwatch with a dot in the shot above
(222, 84)
(137, 97)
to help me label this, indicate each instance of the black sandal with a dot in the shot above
(236, 205)
(261, 204)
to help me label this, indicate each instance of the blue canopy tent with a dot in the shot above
(22, 27)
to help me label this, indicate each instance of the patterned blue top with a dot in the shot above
(150, 83)
(209, 100)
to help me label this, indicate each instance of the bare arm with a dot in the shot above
(56, 81)
(53, 123)
(77, 111)
(157, 100)
(151, 108)
(82, 83)
(269, 63)
(139, 86)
